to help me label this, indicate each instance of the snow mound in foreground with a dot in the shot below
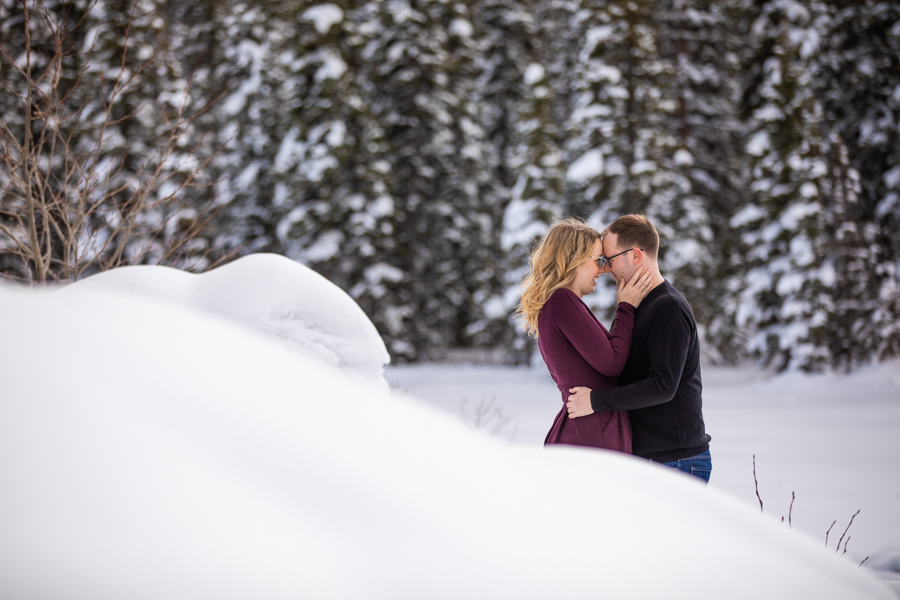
(272, 295)
(151, 451)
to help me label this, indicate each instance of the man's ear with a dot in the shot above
(638, 255)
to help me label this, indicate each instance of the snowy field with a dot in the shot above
(232, 435)
(834, 441)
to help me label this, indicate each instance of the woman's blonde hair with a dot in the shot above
(552, 266)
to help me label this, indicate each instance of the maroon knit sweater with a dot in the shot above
(579, 350)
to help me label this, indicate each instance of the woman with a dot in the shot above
(576, 347)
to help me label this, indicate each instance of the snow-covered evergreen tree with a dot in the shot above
(853, 334)
(251, 118)
(331, 177)
(786, 303)
(858, 79)
(419, 68)
(412, 151)
(623, 145)
(537, 160)
(307, 174)
(162, 135)
(704, 39)
(532, 160)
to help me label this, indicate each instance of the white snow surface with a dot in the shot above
(586, 167)
(534, 74)
(829, 439)
(462, 28)
(683, 158)
(272, 295)
(759, 144)
(149, 449)
(324, 16)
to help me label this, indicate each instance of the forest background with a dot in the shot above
(413, 150)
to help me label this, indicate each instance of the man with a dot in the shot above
(660, 384)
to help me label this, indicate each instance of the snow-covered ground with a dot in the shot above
(167, 435)
(834, 441)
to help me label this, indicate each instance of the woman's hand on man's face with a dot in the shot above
(636, 289)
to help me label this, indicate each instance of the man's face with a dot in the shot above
(620, 267)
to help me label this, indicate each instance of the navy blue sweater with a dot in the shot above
(660, 385)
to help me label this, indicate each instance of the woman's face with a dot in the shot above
(586, 273)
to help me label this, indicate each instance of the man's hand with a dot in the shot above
(579, 403)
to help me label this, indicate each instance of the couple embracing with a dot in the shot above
(636, 387)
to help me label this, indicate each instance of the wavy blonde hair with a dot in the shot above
(552, 266)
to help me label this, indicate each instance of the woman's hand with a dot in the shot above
(635, 290)
(579, 403)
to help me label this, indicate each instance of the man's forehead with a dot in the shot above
(610, 241)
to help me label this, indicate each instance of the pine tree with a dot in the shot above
(539, 187)
(853, 249)
(787, 300)
(160, 96)
(412, 151)
(419, 66)
(249, 120)
(857, 74)
(624, 151)
(704, 39)
(525, 135)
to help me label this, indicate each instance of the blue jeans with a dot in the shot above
(698, 466)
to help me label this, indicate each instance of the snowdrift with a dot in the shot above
(272, 295)
(151, 450)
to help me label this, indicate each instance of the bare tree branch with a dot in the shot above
(756, 484)
(79, 199)
(829, 531)
(845, 531)
(791, 510)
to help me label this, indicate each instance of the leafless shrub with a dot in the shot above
(845, 533)
(756, 483)
(790, 512)
(829, 531)
(487, 416)
(75, 199)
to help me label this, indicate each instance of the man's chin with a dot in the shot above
(624, 278)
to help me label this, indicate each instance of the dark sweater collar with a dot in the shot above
(658, 291)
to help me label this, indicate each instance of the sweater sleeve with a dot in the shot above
(668, 338)
(607, 353)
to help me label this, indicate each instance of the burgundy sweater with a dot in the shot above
(579, 351)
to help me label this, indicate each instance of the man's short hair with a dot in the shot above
(635, 231)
